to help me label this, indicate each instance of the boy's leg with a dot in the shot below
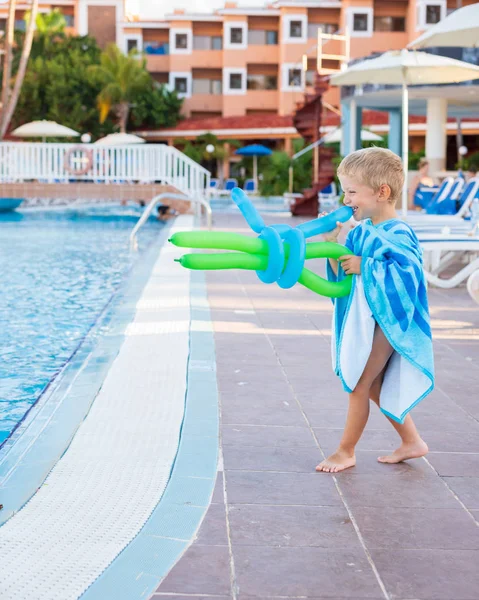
(413, 446)
(358, 411)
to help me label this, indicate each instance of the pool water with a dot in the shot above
(59, 269)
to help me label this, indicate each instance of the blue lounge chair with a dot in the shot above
(214, 184)
(445, 204)
(230, 184)
(250, 186)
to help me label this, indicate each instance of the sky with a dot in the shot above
(156, 9)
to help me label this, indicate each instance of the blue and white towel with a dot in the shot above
(391, 291)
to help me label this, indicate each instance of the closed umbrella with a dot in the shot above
(337, 135)
(406, 68)
(460, 28)
(119, 139)
(254, 150)
(44, 129)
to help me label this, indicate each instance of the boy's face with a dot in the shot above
(361, 198)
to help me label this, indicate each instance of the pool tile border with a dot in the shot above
(171, 528)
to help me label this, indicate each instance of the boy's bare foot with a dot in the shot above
(338, 461)
(406, 451)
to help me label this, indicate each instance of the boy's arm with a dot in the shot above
(332, 236)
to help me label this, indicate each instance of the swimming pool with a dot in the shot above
(59, 269)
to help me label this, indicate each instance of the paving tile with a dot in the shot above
(301, 526)
(455, 464)
(438, 528)
(466, 488)
(213, 528)
(276, 410)
(396, 489)
(429, 574)
(201, 570)
(218, 496)
(258, 435)
(271, 458)
(260, 572)
(248, 487)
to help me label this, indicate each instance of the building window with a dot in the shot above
(234, 81)
(131, 45)
(235, 35)
(271, 38)
(313, 29)
(20, 25)
(69, 20)
(181, 41)
(216, 43)
(3, 24)
(309, 79)
(360, 21)
(216, 87)
(430, 13)
(295, 29)
(433, 14)
(262, 82)
(207, 86)
(292, 77)
(181, 85)
(389, 24)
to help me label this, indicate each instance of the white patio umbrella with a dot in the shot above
(460, 28)
(405, 68)
(119, 139)
(337, 136)
(44, 129)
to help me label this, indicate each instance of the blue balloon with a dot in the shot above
(326, 223)
(275, 258)
(296, 258)
(248, 210)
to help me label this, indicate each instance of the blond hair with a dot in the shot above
(375, 167)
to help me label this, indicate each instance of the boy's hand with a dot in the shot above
(351, 264)
(332, 236)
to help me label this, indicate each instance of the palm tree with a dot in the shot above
(9, 96)
(122, 77)
(50, 24)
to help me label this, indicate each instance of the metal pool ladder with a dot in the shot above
(148, 210)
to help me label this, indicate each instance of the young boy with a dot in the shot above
(381, 342)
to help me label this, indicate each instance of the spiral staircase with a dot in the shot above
(307, 121)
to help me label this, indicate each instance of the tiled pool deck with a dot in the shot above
(275, 528)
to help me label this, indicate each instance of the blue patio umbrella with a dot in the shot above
(254, 150)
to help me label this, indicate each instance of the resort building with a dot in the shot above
(243, 72)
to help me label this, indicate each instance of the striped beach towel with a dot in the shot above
(391, 291)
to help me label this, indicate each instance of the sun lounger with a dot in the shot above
(440, 252)
(250, 186)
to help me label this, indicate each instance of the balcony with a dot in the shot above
(203, 103)
(157, 63)
(207, 59)
(266, 54)
(262, 100)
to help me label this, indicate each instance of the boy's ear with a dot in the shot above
(384, 192)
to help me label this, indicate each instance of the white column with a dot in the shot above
(436, 135)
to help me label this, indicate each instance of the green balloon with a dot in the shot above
(252, 254)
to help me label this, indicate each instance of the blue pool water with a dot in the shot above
(59, 269)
